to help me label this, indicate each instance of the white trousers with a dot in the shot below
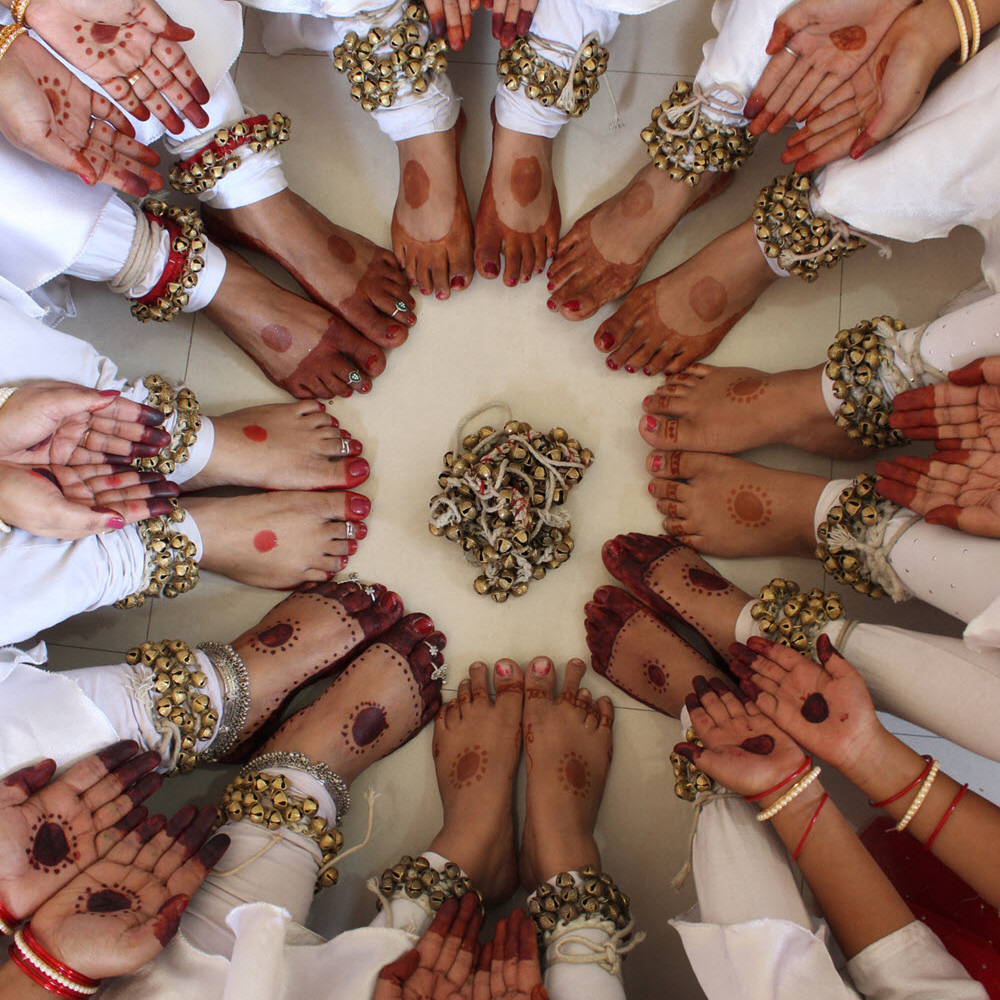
(44, 581)
(949, 147)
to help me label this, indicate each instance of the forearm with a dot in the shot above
(14, 984)
(858, 901)
(966, 842)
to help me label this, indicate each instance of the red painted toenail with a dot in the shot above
(491, 269)
(538, 270)
(541, 668)
(355, 447)
(650, 487)
(424, 625)
(458, 281)
(371, 361)
(613, 549)
(352, 547)
(630, 369)
(364, 387)
(510, 282)
(359, 506)
(607, 341)
(656, 463)
(441, 295)
(551, 286)
(358, 469)
(392, 332)
(646, 371)
(389, 602)
(572, 306)
(651, 423)
(360, 530)
(552, 306)
(647, 401)
(612, 364)
(425, 291)
(329, 576)
(412, 283)
(504, 669)
(411, 300)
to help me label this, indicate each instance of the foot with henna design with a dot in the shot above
(297, 344)
(669, 322)
(518, 216)
(726, 506)
(728, 410)
(431, 224)
(282, 446)
(279, 540)
(640, 652)
(342, 271)
(567, 745)
(380, 701)
(603, 255)
(308, 636)
(477, 745)
(675, 582)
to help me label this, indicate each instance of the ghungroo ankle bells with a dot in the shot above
(786, 615)
(852, 544)
(544, 81)
(169, 400)
(171, 560)
(219, 156)
(263, 798)
(184, 263)
(686, 142)
(792, 234)
(415, 879)
(858, 357)
(186, 713)
(392, 59)
(689, 780)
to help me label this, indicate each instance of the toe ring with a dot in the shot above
(354, 377)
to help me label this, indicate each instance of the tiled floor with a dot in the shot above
(493, 343)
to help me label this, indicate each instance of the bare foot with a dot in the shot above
(279, 540)
(305, 638)
(477, 745)
(674, 581)
(567, 743)
(431, 224)
(298, 345)
(640, 653)
(282, 446)
(603, 255)
(729, 507)
(727, 410)
(680, 317)
(380, 701)
(518, 213)
(341, 270)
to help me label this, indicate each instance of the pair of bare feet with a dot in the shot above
(308, 523)
(477, 745)
(518, 217)
(669, 322)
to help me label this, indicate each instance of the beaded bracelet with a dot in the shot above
(7, 921)
(806, 763)
(963, 32)
(793, 793)
(812, 823)
(18, 9)
(909, 788)
(947, 815)
(919, 800)
(976, 27)
(38, 965)
(8, 35)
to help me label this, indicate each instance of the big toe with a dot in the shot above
(540, 679)
(508, 682)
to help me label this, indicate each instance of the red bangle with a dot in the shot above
(947, 815)
(77, 977)
(34, 975)
(220, 149)
(909, 788)
(7, 920)
(812, 823)
(806, 764)
(174, 265)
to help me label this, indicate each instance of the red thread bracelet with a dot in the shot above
(812, 823)
(947, 815)
(806, 764)
(224, 148)
(909, 788)
(77, 977)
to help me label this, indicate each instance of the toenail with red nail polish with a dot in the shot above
(612, 364)
(424, 626)
(630, 369)
(656, 463)
(551, 286)
(541, 668)
(572, 306)
(458, 281)
(359, 505)
(552, 306)
(504, 670)
(607, 341)
(358, 469)
(651, 423)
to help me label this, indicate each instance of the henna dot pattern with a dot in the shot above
(746, 390)
(365, 726)
(107, 900)
(469, 767)
(52, 848)
(656, 675)
(815, 709)
(277, 638)
(574, 774)
(749, 506)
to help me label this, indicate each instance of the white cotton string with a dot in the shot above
(608, 954)
(699, 803)
(145, 242)
(496, 404)
(840, 233)
(698, 100)
(382, 13)
(370, 796)
(567, 99)
(141, 689)
(276, 839)
(923, 371)
(874, 552)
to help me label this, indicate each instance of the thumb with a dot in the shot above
(982, 371)
(71, 521)
(19, 786)
(392, 977)
(142, 944)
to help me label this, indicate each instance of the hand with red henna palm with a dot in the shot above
(829, 42)
(452, 18)
(50, 115)
(960, 489)
(825, 706)
(440, 967)
(51, 830)
(508, 965)
(112, 40)
(123, 910)
(743, 749)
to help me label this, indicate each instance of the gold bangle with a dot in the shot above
(963, 32)
(919, 800)
(17, 9)
(793, 793)
(8, 35)
(976, 27)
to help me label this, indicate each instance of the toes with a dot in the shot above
(541, 678)
(575, 669)
(508, 679)
(464, 692)
(407, 633)
(606, 710)
(488, 254)
(478, 684)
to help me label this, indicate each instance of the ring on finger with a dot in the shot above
(133, 78)
(792, 51)
(354, 377)
(86, 438)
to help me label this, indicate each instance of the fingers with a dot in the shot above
(458, 947)
(19, 786)
(187, 836)
(393, 976)
(135, 778)
(432, 942)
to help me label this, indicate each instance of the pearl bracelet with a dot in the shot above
(5, 393)
(793, 793)
(36, 968)
(919, 800)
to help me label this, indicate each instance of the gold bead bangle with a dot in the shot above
(793, 793)
(8, 35)
(977, 27)
(963, 32)
(919, 800)
(17, 10)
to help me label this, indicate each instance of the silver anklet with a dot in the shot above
(333, 783)
(235, 681)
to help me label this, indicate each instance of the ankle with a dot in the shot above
(566, 853)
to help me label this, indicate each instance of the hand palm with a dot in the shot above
(965, 416)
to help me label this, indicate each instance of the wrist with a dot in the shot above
(886, 767)
(15, 985)
(935, 26)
